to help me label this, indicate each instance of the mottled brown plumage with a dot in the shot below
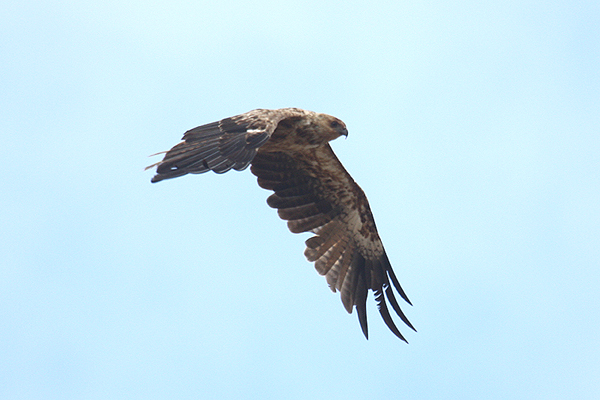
(288, 150)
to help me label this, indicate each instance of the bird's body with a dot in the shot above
(288, 150)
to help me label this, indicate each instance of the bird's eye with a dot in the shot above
(334, 124)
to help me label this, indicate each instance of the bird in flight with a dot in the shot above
(288, 150)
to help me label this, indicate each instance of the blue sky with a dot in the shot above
(474, 131)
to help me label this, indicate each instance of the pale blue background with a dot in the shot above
(474, 130)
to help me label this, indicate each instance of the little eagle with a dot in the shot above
(288, 150)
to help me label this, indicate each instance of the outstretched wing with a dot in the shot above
(230, 143)
(314, 193)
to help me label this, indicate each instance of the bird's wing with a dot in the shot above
(230, 143)
(314, 193)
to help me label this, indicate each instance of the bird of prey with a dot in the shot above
(288, 150)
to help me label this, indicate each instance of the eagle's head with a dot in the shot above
(331, 127)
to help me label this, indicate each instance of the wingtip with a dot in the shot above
(363, 326)
(395, 282)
